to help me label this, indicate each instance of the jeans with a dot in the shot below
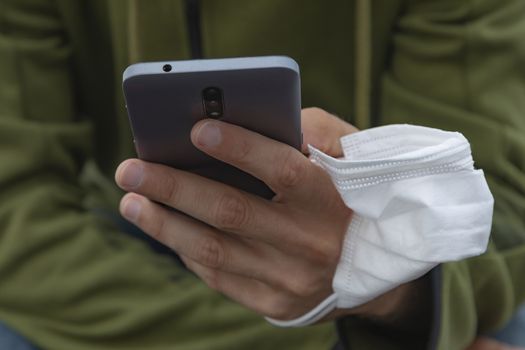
(10, 340)
(514, 332)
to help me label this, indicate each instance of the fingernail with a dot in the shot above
(131, 209)
(132, 175)
(209, 135)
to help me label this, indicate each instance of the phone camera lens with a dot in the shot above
(167, 68)
(212, 102)
(211, 94)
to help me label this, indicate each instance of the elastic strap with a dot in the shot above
(314, 315)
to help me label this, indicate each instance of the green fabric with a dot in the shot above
(459, 66)
(70, 280)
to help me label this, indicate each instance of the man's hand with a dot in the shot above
(323, 131)
(276, 257)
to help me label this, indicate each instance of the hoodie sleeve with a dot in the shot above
(68, 279)
(65, 279)
(459, 65)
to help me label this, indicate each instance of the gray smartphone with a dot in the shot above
(165, 99)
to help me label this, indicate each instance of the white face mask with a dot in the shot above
(417, 202)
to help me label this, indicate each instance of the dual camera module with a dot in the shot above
(212, 101)
(211, 98)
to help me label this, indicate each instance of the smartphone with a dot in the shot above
(165, 99)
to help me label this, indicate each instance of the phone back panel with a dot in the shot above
(163, 107)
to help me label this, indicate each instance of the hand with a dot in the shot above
(323, 131)
(276, 257)
(483, 343)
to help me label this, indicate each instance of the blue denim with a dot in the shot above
(514, 332)
(11, 340)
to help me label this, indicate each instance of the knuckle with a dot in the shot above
(277, 307)
(299, 283)
(232, 212)
(300, 287)
(210, 253)
(325, 253)
(292, 170)
(159, 227)
(170, 190)
(241, 151)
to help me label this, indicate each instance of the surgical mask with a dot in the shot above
(417, 202)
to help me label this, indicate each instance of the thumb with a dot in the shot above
(323, 131)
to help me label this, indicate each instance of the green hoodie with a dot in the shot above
(69, 279)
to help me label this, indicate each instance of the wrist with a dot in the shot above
(406, 307)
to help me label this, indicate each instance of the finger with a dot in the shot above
(221, 206)
(251, 293)
(200, 242)
(323, 131)
(283, 168)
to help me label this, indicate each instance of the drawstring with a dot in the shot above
(362, 54)
(363, 50)
(193, 25)
(133, 32)
(138, 29)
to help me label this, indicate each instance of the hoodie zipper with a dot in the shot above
(193, 26)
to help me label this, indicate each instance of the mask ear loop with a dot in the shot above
(457, 157)
(312, 316)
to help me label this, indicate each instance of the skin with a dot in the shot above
(275, 257)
